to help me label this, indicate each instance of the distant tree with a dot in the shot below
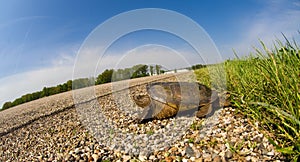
(45, 92)
(198, 66)
(69, 85)
(18, 101)
(7, 105)
(139, 71)
(105, 77)
(81, 83)
(151, 70)
(37, 95)
(157, 68)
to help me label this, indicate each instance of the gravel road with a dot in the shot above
(101, 127)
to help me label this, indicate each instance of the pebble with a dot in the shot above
(142, 158)
(77, 150)
(206, 156)
(199, 160)
(126, 158)
(248, 158)
(228, 154)
(270, 153)
(217, 159)
(193, 158)
(184, 160)
(152, 157)
(95, 157)
(189, 151)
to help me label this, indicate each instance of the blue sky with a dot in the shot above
(39, 39)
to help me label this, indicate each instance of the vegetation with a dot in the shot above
(266, 88)
(198, 66)
(136, 71)
(105, 77)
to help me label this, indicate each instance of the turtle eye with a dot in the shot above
(142, 100)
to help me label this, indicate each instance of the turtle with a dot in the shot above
(169, 99)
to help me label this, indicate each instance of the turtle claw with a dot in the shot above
(145, 116)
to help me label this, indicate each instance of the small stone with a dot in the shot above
(193, 158)
(197, 153)
(159, 156)
(270, 153)
(40, 158)
(189, 151)
(206, 156)
(254, 158)
(126, 158)
(248, 158)
(152, 157)
(168, 159)
(96, 151)
(182, 153)
(68, 156)
(77, 158)
(228, 154)
(95, 157)
(217, 159)
(264, 151)
(142, 158)
(184, 160)
(77, 150)
(199, 160)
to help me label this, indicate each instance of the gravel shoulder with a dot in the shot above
(59, 131)
(20, 115)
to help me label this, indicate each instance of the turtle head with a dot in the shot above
(142, 100)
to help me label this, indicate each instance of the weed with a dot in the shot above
(265, 87)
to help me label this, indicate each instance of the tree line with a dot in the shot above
(109, 75)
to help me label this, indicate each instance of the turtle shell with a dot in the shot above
(168, 99)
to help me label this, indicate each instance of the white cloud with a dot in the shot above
(268, 25)
(64, 59)
(17, 85)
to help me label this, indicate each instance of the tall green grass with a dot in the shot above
(266, 87)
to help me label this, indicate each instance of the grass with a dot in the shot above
(236, 148)
(150, 132)
(196, 126)
(191, 140)
(266, 87)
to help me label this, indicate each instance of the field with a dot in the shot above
(265, 86)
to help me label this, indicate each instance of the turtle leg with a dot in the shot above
(147, 114)
(209, 109)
